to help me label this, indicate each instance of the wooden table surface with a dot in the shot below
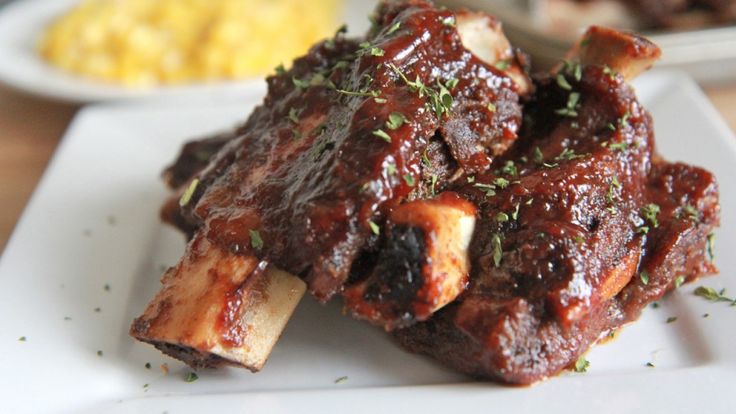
(30, 129)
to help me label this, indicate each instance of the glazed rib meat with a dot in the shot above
(498, 224)
(354, 134)
(321, 158)
(589, 227)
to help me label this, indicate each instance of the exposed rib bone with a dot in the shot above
(218, 308)
(626, 53)
(483, 35)
(423, 265)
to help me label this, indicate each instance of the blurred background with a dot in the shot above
(57, 55)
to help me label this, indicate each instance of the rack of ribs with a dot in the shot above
(591, 228)
(342, 156)
(494, 222)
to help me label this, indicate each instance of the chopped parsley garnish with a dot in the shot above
(371, 94)
(452, 83)
(280, 69)
(611, 126)
(515, 214)
(679, 281)
(318, 130)
(317, 79)
(489, 189)
(391, 168)
(341, 380)
(99, 353)
(425, 159)
(573, 69)
(439, 101)
(618, 146)
(395, 120)
(502, 217)
(709, 248)
(393, 28)
(563, 83)
(502, 64)
(615, 185)
(570, 110)
(147, 365)
(644, 276)
(255, 239)
(186, 197)
(501, 182)
(568, 155)
(497, 249)
(191, 377)
(671, 319)
(713, 295)
(301, 84)
(416, 86)
(650, 212)
(382, 134)
(376, 51)
(642, 230)
(294, 115)
(471, 179)
(625, 119)
(582, 365)
(22, 339)
(691, 213)
(374, 227)
(650, 365)
(366, 186)
(579, 239)
(577, 70)
(106, 287)
(380, 100)
(610, 72)
(409, 180)
(510, 169)
(449, 21)
(442, 101)
(491, 107)
(538, 156)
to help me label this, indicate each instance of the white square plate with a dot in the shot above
(93, 222)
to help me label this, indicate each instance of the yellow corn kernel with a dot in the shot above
(149, 42)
